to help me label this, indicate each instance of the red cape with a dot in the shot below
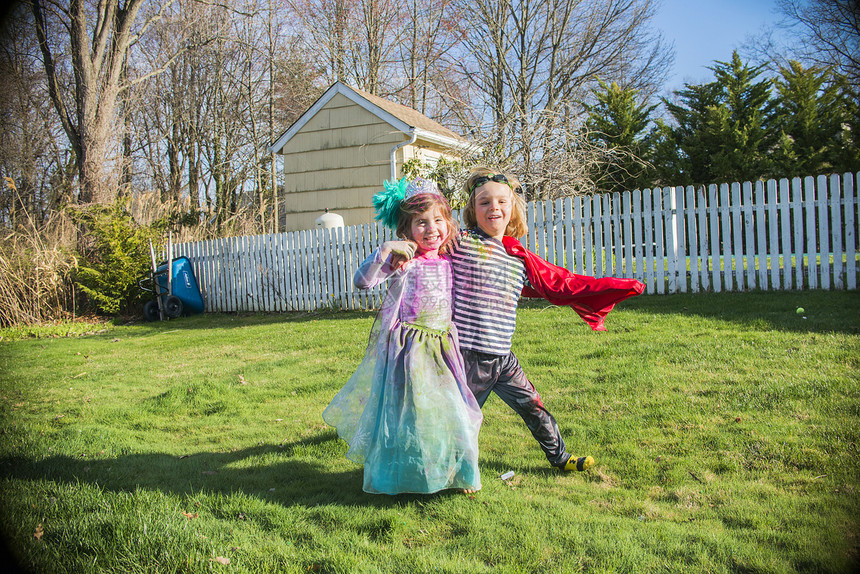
(590, 297)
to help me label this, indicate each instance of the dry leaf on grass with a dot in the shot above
(220, 560)
(189, 515)
(38, 533)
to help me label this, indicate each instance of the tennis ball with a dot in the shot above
(800, 311)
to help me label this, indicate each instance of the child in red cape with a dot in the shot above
(491, 269)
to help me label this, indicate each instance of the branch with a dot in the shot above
(134, 38)
(104, 24)
(163, 68)
(51, 72)
(225, 6)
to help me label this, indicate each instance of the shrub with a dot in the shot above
(113, 256)
(449, 174)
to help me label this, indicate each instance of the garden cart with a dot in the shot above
(175, 287)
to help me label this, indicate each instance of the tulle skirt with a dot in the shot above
(408, 415)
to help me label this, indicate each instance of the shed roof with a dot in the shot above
(401, 117)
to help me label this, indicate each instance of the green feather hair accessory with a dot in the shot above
(387, 202)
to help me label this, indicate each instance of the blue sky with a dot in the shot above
(708, 30)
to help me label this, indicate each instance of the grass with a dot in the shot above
(725, 429)
(81, 326)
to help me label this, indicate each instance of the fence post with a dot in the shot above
(785, 222)
(835, 197)
(680, 242)
(587, 227)
(648, 241)
(755, 235)
(737, 227)
(851, 203)
(823, 232)
(530, 223)
(811, 260)
(726, 237)
(606, 200)
(693, 243)
(568, 234)
(659, 241)
(639, 271)
(797, 207)
(671, 242)
(627, 233)
(578, 239)
(558, 224)
(597, 226)
(773, 244)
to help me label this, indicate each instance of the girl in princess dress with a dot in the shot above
(407, 413)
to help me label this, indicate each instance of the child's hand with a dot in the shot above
(401, 252)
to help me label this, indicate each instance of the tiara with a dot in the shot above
(420, 185)
(387, 202)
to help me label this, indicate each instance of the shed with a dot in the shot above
(337, 154)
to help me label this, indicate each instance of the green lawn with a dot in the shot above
(725, 429)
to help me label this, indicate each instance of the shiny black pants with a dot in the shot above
(503, 375)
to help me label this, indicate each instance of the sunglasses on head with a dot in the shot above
(498, 178)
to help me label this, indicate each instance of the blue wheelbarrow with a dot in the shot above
(175, 287)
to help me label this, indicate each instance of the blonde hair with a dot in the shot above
(517, 225)
(418, 204)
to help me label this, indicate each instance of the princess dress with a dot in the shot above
(406, 412)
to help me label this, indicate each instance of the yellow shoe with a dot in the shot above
(580, 464)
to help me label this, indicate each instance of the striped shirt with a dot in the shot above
(487, 287)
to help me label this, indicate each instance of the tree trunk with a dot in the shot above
(98, 56)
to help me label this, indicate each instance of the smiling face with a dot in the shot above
(493, 205)
(429, 230)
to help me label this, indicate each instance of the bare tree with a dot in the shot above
(357, 39)
(273, 174)
(816, 33)
(34, 161)
(830, 33)
(326, 26)
(297, 82)
(183, 96)
(378, 30)
(431, 32)
(97, 37)
(533, 63)
(204, 125)
(168, 109)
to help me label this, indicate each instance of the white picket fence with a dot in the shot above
(773, 235)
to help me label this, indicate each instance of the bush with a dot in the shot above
(113, 256)
(448, 174)
(36, 265)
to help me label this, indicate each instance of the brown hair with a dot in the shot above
(517, 225)
(418, 204)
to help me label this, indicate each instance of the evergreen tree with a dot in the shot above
(683, 152)
(618, 122)
(723, 130)
(810, 116)
(669, 165)
(846, 156)
(747, 121)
